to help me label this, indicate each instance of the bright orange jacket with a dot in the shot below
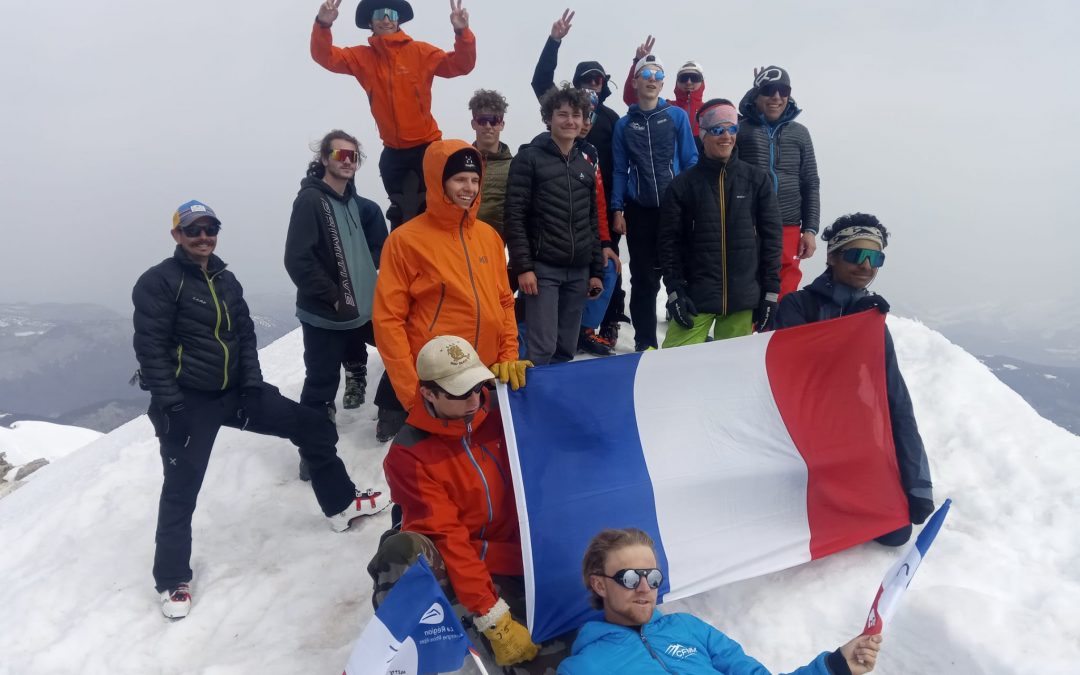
(442, 273)
(453, 484)
(396, 72)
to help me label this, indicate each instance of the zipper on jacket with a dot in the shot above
(723, 241)
(179, 359)
(466, 440)
(652, 652)
(472, 279)
(773, 148)
(570, 200)
(217, 328)
(438, 307)
(652, 159)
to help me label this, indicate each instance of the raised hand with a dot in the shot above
(328, 12)
(459, 16)
(645, 47)
(560, 28)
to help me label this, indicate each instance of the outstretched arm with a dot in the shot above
(323, 51)
(544, 74)
(629, 94)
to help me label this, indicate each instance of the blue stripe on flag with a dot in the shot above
(926, 537)
(602, 477)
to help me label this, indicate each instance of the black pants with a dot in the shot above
(184, 467)
(402, 173)
(617, 305)
(325, 351)
(642, 240)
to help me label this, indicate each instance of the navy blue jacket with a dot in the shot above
(649, 149)
(825, 299)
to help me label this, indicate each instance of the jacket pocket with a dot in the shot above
(438, 307)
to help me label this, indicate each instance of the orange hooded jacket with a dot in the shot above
(442, 273)
(396, 72)
(453, 484)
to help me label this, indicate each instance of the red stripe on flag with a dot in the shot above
(828, 381)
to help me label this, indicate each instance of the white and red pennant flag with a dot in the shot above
(899, 576)
(739, 457)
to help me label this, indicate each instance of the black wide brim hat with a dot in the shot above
(367, 7)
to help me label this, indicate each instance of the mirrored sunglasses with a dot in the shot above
(488, 120)
(630, 579)
(857, 256)
(689, 77)
(721, 130)
(772, 88)
(378, 14)
(196, 230)
(461, 397)
(345, 156)
(651, 74)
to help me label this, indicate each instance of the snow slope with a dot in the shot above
(26, 441)
(277, 592)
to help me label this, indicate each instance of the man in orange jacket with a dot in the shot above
(449, 472)
(444, 273)
(396, 73)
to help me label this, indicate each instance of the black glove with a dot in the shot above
(765, 314)
(175, 425)
(871, 302)
(250, 405)
(919, 508)
(682, 308)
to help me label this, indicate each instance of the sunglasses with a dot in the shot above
(690, 77)
(345, 156)
(629, 579)
(195, 230)
(488, 120)
(770, 89)
(595, 79)
(857, 256)
(651, 74)
(461, 397)
(721, 130)
(378, 14)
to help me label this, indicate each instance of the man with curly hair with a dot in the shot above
(552, 228)
(488, 109)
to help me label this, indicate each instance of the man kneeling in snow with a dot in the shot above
(448, 470)
(195, 343)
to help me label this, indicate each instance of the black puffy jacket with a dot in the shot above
(192, 330)
(720, 236)
(551, 213)
(785, 150)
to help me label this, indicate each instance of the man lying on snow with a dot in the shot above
(622, 576)
(856, 242)
(448, 470)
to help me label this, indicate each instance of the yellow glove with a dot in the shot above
(510, 641)
(512, 372)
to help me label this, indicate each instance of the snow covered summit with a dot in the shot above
(277, 592)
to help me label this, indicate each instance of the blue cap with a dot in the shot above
(188, 212)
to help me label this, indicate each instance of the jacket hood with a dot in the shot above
(683, 97)
(586, 66)
(748, 110)
(602, 631)
(395, 40)
(661, 104)
(502, 153)
(313, 183)
(440, 207)
(420, 417)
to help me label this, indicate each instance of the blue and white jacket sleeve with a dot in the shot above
(621, 168)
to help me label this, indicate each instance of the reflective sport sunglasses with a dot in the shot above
(720, 131)
(195, 229)
(378, 14)
(488, 120)
(345, 156)
(770, 89)
(690, 77)
(651, 74)
(461, 397)
(856, 256)
(629, 579)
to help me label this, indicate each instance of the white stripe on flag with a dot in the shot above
(525, 531)
(729, 483)
(377, 650)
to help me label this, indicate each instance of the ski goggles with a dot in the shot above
(378, 15)
(461, 397)
(488, 120)
(195, 230)
(773, 88)
(629, 579)
(857, 256)
(690, 77)
(651, 74)
(721, 130)
(345, 156)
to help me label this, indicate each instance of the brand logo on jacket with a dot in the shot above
(636, 126)
(663, 120)
(740, 196)
(483, 260)
(680, 652)
(199, 300)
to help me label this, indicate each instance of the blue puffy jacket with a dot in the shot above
(649, 149)
(672, 643)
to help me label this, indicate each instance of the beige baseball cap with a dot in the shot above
(451, 363)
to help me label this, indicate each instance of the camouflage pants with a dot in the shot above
(398, 551)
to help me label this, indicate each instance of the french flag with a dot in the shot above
(739, 457)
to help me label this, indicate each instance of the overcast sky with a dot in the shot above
(952, 121)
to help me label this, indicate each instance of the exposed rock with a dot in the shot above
(29, 468)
